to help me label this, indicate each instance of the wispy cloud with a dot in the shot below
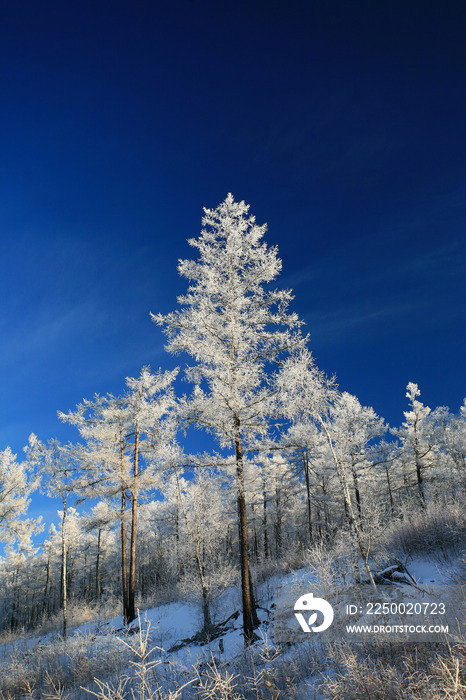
(50, 328)
(421, 242)
(449, 259)
(411, 271)
(328, 326)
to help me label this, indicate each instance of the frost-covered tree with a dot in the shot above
(450, 431)
(106, 466)
(306, 448)
(16, 485)
(203, 502)
(129, 440)
(233, 324)
(151, 413)
(18, 582)
(274, 499)
(101, 520)
(57, 464)
(417, 441)
(308, 395)
(354, 429)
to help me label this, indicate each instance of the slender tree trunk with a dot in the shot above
(84, 578)
(200, 559)
(13, 620)
(319, 523)
(354, 523)
(255, 618)
(420, 480)
(325, 521)
(392, 504)
(207, 624)
(134, 517)
(264, 517)
(46, 589)
(256, 541)
(177, 533)
(278, 523)
(69, 570)
(124, 573)
(97, 567)
(247, 599)
(357, 493)
(63, 570)
(308, 494)
(418, 457)
(32, 608)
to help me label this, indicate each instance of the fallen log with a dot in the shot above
(206, 636)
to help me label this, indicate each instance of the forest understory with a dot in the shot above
(93, 662)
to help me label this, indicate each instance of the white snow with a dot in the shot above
(173, 622)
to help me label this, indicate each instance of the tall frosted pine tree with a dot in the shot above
(234, 326)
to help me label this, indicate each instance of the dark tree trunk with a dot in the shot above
(357, 493)
(207, 624)
(392, 504)
(63, 571)
(278, 523)
(352, 519)
(255, 619)
(264, 517)
(256, 541)
(97, 567)
(308, 494)
(134, 517)
(179, 570)
(124, 572)
(247, 598)
(46, 589)
(420, 482)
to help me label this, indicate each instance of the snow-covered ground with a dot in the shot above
(171, 623)
(174, 622)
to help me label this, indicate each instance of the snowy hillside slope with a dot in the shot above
(166, 626)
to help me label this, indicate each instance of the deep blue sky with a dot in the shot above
(341, 123)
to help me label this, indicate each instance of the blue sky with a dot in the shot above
(341, 124)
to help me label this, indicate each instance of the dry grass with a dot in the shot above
(50, 668)
(108, 669)
(412, 673)
(440, 531)
(369, 671)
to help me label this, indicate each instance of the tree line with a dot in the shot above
(297, 461)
